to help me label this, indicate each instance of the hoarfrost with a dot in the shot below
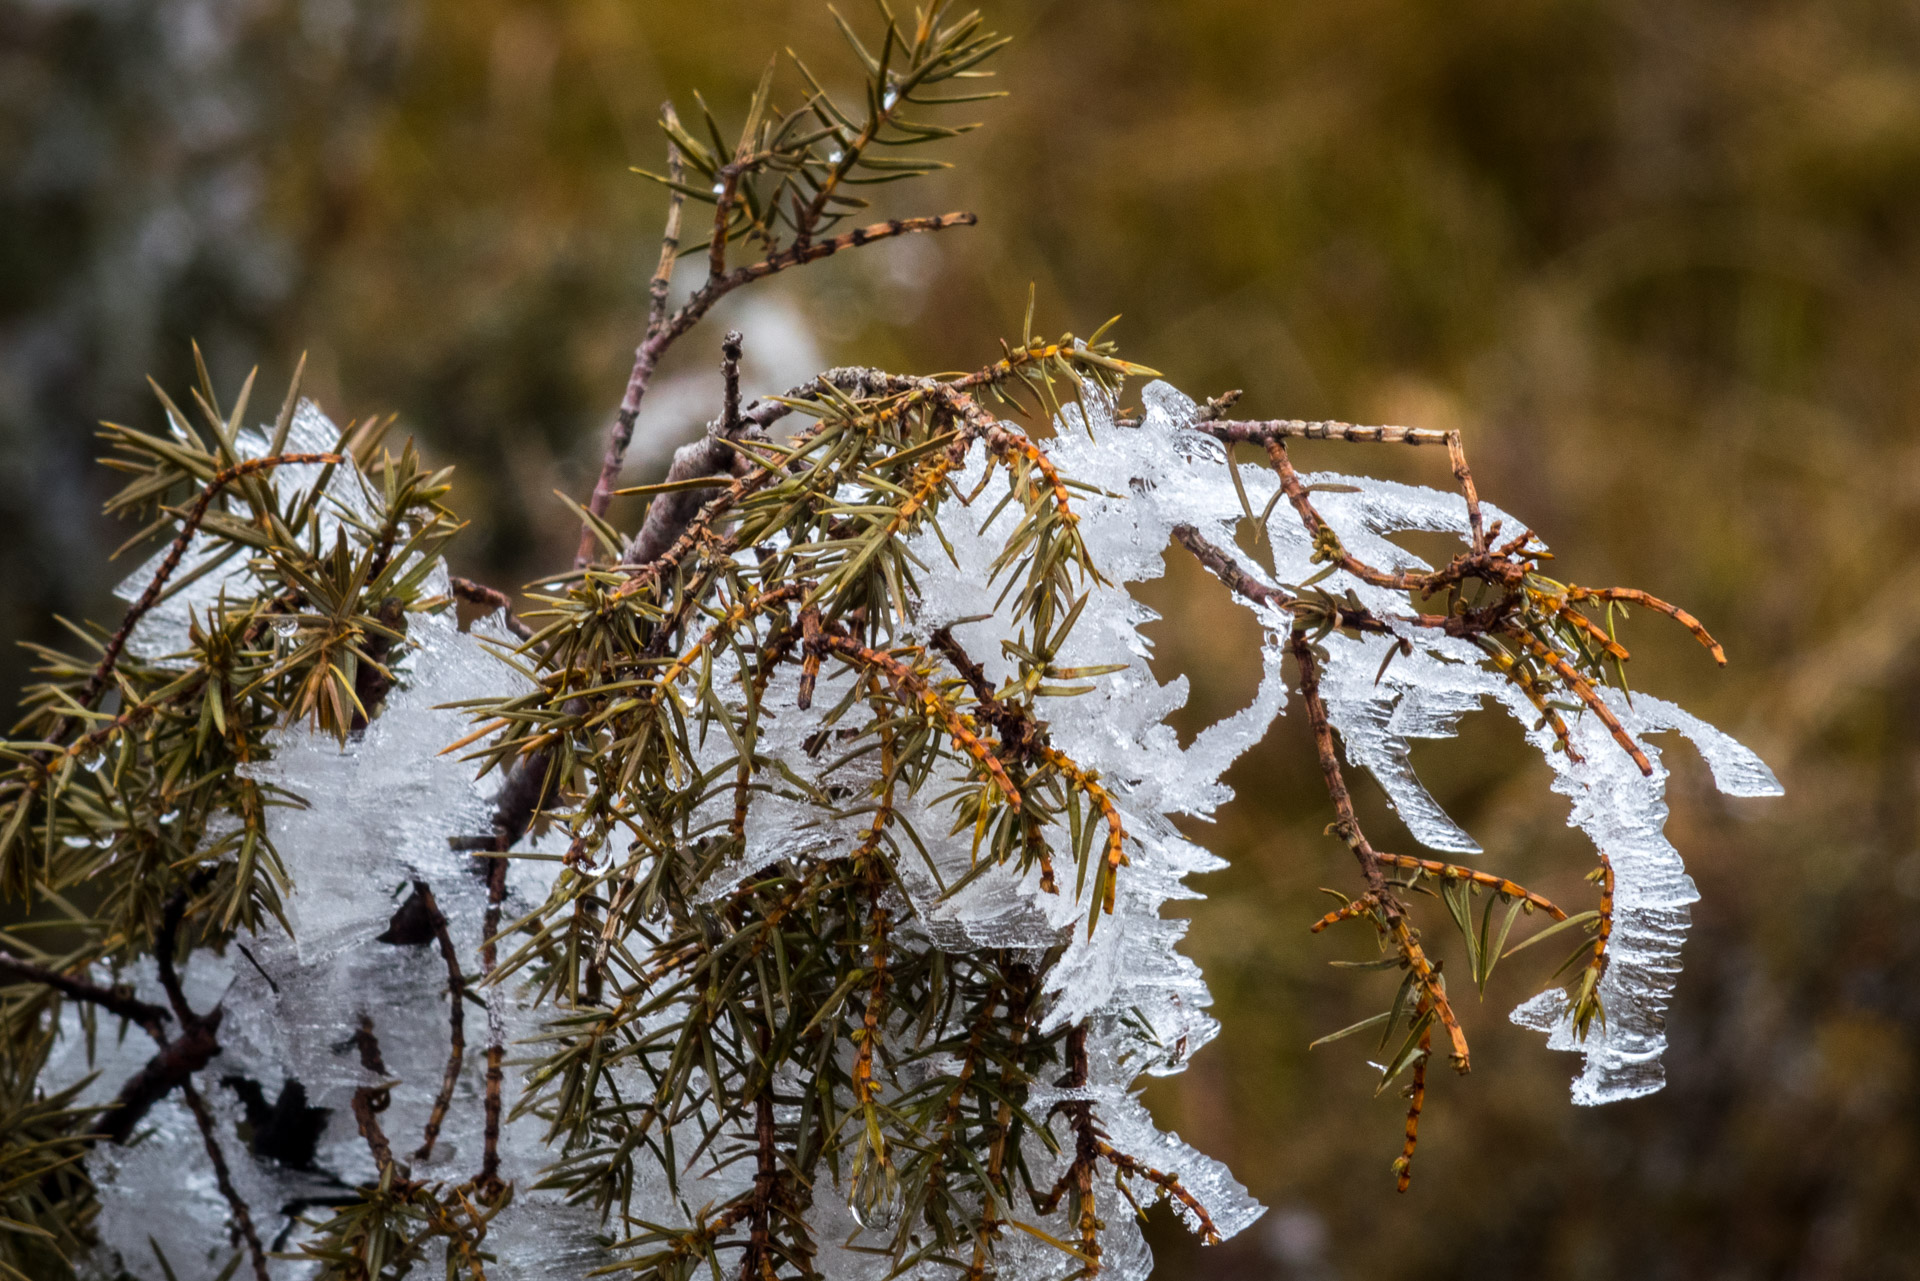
(378, 813)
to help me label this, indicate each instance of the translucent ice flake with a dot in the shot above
(1623, 813)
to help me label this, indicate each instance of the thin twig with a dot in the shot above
(1234, 432)
(730, 382)
(1458, 457)
(661, 336)
(242, 1217)
(489, 1181)
(113, 1000)
(1416, 1100)
(645, 357)
(456, 1020)
(1454, 872)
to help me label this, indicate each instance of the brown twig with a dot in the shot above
(242, 1217)
(644, 358)
(1583, 689)
(116, 1001)
(1088, 782)
(1086, 1152)
(1345, 912)
(1168, 1183)
(1454, 872)
(913, 688)
(1347, 826)
(1635, 596)
(1243, 584)
(489, 1181)
(661, 335)
(1417, 1098)
(1458, 457)
(456, 1020)
(1234, 432)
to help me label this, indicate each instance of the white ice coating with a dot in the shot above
(380, 811)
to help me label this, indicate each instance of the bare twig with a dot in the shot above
(242, 1217)
(1458, 457)
(1235, 432)
(113, 1000)
(456, 1020)
(644, 359)
(1416, 1100)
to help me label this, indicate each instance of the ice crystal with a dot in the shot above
(376, 814)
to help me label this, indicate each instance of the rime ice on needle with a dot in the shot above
(378, 813)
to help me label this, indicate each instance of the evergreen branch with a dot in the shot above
(661, 336)
(189, 525)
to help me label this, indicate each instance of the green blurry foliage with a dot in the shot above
(1656, 260)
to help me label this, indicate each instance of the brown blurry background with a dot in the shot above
(1657, 259)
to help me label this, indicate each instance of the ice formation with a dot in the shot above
(379, 812)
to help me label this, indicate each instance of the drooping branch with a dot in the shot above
(1416, 1101)
(1347, 826)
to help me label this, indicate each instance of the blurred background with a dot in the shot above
(1659, 260)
